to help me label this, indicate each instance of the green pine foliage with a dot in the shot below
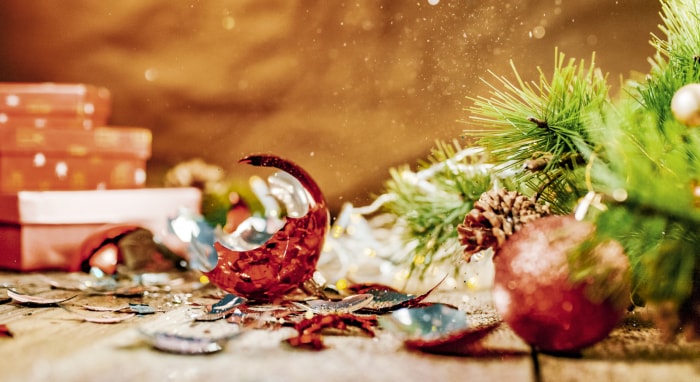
(648, 165)
(632, 152)
(434, 200)
(535, 129)
(677, 59)
(563, 137)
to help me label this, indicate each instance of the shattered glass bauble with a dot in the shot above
(535, 296)
(685, 105)
(266, 257)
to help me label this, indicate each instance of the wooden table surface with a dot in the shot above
(54, 343)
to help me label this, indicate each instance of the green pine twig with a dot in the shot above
(523, 120)
(434, 200)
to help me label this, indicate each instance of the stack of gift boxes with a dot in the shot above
(65, 173)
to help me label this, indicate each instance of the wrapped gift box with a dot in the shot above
(45, 230)
(73, 159)
(59, 100)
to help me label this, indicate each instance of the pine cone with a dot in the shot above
(495, 216)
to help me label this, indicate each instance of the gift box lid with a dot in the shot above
(50, 98)
(94, 206)
(122, 141)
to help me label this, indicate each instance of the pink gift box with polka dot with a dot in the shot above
(55, 136)
(39, 103)
(73, 159)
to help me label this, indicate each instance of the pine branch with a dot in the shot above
(524, 121)
(434, 200)
(561, 137)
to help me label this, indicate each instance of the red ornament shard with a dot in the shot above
(309, 330)
(288, 258)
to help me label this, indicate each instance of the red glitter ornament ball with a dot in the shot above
(288, 258)
(535, 296)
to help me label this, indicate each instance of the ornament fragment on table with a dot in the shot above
(179, 344)
(440, 329)
(348, 304)
(193, 229)
(142, 309)
(46, 298)
(204, 343)
(100, 318)
(120, 291)
(176, 332)
(310, 331)
(5, 331)
(269, 316)
(360, 288)
(96, 308)
(385, 299)
(221, 308)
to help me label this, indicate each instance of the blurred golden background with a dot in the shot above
(347, 89)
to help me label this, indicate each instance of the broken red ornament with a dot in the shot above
(129, 245)
(99, 248)
(535, 296)
(266, 257)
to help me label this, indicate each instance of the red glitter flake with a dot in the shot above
(5, 331)
(309, 330)
(465, 342)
